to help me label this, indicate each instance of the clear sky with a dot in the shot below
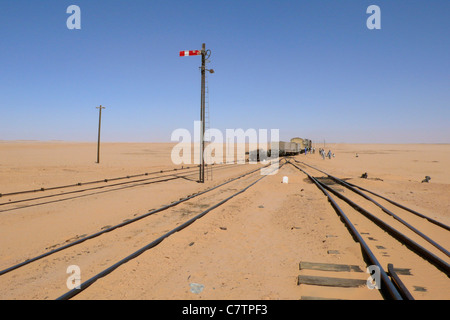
(309, 68)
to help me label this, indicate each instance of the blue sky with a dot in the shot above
(309, 68)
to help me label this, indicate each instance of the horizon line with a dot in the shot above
(177, 142)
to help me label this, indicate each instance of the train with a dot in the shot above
(294, 147)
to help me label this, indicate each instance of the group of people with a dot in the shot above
(322, 152)
(324, 155)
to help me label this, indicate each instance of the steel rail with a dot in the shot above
(399, 283)
(124, 185)
(70, 294)
(438, 223)
(93, 188)
(408, 225)
(173, 204)
(92, 182)
(414, 246)
(387, 286)
(137, 183)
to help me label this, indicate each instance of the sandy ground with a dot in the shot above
(248, 248)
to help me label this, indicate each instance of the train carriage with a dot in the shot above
(294, 147)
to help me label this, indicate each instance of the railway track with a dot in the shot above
(43, 189)
(412, 263)
(75, 191)
(44, 270)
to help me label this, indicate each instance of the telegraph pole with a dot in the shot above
(99, 127)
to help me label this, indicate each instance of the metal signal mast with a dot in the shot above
(205, 55)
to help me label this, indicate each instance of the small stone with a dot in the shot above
(196, 288)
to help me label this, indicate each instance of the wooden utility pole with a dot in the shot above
(99, 127)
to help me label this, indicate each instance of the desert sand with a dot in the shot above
(248, 248)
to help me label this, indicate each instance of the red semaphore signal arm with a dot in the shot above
(190, 53)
